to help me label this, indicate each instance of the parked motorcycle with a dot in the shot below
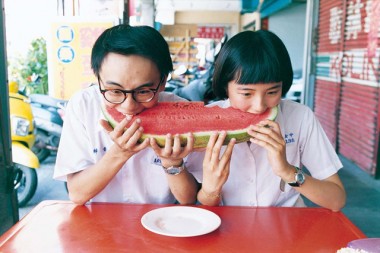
(22, 134)
(48, 115)
(199, 87)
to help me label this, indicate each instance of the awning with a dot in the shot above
(268, 7)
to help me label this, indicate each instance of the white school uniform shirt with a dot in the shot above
(251, 181)
(84, 142)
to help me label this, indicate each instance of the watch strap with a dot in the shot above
(174, 170)
(299, 178)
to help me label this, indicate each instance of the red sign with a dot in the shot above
(210, 32)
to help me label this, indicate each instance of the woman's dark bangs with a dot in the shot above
(259, 67)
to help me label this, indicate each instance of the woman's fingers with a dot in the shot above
(266, 133)
(216, 168)
(215, 144)
(210, 145)
(218, 145)
(224, 162)
(228, 152)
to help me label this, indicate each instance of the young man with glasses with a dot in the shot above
(106, 164)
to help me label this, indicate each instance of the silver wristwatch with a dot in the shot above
(299, 178)
(174, 170)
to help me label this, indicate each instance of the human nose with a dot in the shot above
(258, 105)
(129, 101)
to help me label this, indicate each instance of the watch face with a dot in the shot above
(300, 177)
(173, 170)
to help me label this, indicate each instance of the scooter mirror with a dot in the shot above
(180, 70)
(218, 47)
(169, 77)
(13, 87)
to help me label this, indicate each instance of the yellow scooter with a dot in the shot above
(22, 131)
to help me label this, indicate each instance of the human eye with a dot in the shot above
(273, 92)
(115, 92)
(143, 91)
(245, 94)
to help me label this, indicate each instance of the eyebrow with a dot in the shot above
(138, 87)
(279, 85)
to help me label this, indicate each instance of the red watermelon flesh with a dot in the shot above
(184, 117)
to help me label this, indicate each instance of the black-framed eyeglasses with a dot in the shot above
(140, 95)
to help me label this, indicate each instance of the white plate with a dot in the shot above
(181, 221)
(367, 244)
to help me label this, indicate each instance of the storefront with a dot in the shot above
(346, 94)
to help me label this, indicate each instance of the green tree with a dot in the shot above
(31, 72)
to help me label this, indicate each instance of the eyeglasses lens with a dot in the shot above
(118, 97)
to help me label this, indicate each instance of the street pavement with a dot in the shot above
(47, 188)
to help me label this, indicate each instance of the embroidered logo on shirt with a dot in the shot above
(289, 138)
(157, 161)
(95, 150)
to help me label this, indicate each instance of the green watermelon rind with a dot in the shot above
(200, 138)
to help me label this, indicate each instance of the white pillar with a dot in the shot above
(147, 12)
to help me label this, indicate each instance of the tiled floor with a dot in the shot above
(363, 198)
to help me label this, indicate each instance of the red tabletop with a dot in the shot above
(61, 226)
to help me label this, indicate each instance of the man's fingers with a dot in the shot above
(133, 137)
(190, 142)
(176, 149)
(168, 145)
(106, 126)
(123, 124)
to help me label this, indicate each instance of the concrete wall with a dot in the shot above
(289, 25)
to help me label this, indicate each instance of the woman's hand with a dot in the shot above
(216, 168)
(126, 139)
(267, 134)
(328, 193)
(172, 153)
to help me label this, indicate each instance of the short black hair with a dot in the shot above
(124, 39)
(252, 57)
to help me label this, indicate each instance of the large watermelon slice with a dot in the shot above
(184, 117)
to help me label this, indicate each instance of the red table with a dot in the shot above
(61, 226)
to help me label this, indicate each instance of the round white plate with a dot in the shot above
(367, 244)
(180, 221)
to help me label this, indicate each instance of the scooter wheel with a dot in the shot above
(26, 184)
